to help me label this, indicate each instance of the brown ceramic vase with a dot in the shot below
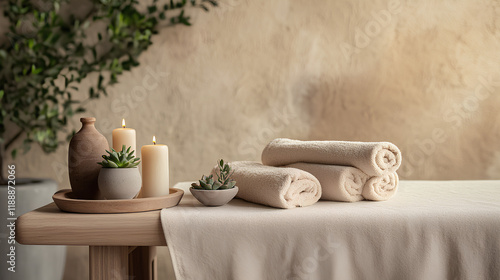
(85, 150)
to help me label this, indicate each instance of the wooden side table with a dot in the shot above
(121, 246)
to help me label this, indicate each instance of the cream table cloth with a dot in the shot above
(429, 230)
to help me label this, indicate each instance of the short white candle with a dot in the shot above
(154, 160)
(124, 136)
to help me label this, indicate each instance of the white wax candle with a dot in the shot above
(154, 160)
(124, 136)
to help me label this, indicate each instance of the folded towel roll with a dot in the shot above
(275, 186)
(338, 183)
(382, 187)
(373, 158)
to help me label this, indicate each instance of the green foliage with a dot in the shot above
(223, 181)
(121, 159)
(48, 54)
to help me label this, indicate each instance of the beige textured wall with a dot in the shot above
(424, 75)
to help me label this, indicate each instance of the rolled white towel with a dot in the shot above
(373, 158)
(381, 187)
(338, 183)
(279, 187)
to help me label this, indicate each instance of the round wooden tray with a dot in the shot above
(66, 202)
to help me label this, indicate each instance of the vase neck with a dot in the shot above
(87, 123)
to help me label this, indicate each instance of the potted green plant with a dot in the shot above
(47, 54)
(44, 55)
(119, 177)
(215, 192)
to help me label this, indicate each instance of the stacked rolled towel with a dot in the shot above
(275, 186)
(339, 183)
(373, 158)
(381, 187)
(343, 162)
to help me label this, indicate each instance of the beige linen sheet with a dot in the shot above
(430, 230)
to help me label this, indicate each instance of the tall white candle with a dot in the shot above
(154, 160)
(124, 136)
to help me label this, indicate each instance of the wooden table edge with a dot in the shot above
(48, 225)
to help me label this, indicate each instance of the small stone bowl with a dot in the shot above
(214, 197)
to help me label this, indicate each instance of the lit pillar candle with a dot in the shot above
(124, 136)
(154, 160)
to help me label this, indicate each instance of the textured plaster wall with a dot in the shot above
(424, 75)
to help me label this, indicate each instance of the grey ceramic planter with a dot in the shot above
(119, 183)
(214, 197)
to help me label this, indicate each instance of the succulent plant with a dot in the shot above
(223, 181)
(122, 159)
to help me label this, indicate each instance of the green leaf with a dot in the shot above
(31, 43)
(216, 186)
(13, 153)
(114, 157)
(231, 184)
(32, 64)
(205, 185)
(152, 9)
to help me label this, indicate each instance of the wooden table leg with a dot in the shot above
(142, 263)
(108, 262)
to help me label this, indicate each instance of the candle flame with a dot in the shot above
(154, 140)
(123, 123)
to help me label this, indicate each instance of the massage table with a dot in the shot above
(429, 230)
